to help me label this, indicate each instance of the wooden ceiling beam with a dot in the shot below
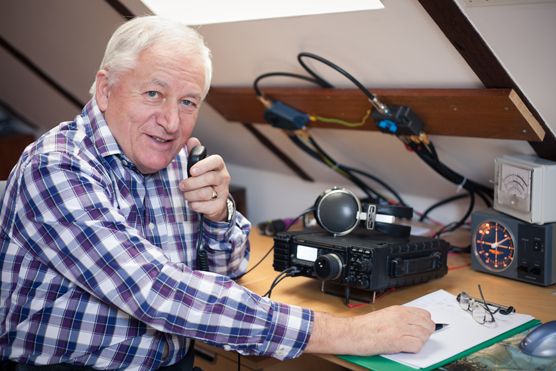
(469, 43)
(485, 113)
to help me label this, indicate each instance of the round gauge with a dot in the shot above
(494, 246)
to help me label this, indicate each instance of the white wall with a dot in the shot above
(522, 37)
(399, 46)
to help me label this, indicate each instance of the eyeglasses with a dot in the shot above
(481, 309)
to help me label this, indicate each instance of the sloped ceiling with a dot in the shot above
(399, 46)
(65, 39)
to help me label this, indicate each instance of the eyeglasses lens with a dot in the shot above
(479, 313)
(464, 301)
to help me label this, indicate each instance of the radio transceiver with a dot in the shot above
(365, 259)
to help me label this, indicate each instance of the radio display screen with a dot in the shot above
(306, 253)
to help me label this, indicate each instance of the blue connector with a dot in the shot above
(388, 125)
(401, 121)
(282, 116)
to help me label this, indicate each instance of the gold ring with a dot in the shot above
(214, 194)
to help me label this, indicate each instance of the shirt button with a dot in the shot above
(125, 163)
(151, 226)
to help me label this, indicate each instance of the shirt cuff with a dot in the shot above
(217, 231)
(290, 330)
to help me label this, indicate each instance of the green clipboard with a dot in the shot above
(379, 363)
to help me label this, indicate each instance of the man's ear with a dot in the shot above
(102, 92)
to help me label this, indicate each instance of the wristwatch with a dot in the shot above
(231, 206)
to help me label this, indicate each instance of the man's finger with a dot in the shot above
(192, 142)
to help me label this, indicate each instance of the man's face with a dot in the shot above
(152, 109)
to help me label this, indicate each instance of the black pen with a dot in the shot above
(440, 326)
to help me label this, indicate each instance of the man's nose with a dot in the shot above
(170, 118)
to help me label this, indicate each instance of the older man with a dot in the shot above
(99, 224)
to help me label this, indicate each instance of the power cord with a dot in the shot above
(292, 222)
(288, 272)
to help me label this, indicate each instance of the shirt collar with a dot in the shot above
(100, 132)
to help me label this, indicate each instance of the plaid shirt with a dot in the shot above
(95, 261)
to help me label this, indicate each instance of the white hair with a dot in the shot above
(140, 33)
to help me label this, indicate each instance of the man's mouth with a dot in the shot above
(159, 140)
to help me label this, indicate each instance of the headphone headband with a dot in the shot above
(339, 211)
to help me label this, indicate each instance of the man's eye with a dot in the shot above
(188, 103)
(152, 94)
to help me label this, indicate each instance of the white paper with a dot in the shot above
(462, 333)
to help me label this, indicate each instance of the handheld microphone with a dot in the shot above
(197, 154)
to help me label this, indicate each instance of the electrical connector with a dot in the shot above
(401, 121)
(282, 116)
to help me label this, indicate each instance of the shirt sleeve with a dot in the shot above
(227, 245)
(67, 219)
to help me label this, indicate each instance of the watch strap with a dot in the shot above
(231, 208)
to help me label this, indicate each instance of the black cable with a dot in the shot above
(432, 149)
(258, 91)
(460, 249)
(330, 162)
(288, 272)
(257, 264)
(297, 141)
(453, 226)
(275, 283)
(441, 203)
(277, 280)
(379, 181)
(372, 193)
(337, 68)
(317, 77)
(448, 173)
(345, 169)
(484, 192)
(445, 201)
(309, 209)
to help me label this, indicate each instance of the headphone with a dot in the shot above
(339, 211)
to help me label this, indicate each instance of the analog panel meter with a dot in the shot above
(514, 187)
(524, 188)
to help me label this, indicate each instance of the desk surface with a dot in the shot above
(537, 301)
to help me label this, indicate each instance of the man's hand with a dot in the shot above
(390, 330)
(208, 187)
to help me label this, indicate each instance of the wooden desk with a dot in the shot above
(537, 301)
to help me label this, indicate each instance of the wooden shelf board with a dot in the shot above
(484, 113)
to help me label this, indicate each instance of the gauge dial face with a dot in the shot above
(514, 187)
(494, 246)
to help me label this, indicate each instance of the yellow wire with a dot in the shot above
(331, 120)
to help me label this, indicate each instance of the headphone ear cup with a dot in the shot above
(337, 210)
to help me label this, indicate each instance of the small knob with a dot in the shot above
(328, 267)
(363, 282)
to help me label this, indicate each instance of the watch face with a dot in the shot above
(494, 246)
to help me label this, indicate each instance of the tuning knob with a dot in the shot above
(328, 267)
